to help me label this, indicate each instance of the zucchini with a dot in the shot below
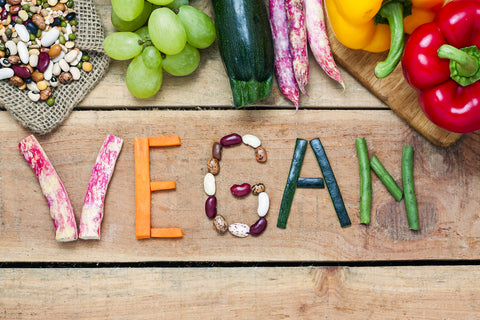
(292, 180)
(330, 182)
(246, 48)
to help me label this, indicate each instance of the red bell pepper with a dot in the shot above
(442, 61)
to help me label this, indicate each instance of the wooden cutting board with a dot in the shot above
(393, 90)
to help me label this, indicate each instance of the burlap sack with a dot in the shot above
(38, 116)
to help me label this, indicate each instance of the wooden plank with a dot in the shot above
(433, 292)
(208, 86)
(393, 90)
(446, 181)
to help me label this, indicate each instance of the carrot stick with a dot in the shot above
(318, 39)
(93, 205)
(297, 34)
(162, 185)
(142, 188)
(283, 58)
(164, 141)
(166, 233)
(61, 209)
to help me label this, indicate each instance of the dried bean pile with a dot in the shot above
(213, 165)
(37, 46)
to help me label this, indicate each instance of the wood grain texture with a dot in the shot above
(393, 90)
(208, 86)
(446, 181)
(242, 293)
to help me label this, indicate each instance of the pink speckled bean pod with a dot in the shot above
(318, 39)
(297, 34)
(52, 187)
(283, 58)
(93, 206)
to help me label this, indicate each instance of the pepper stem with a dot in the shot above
(466, 65)
(393, 12)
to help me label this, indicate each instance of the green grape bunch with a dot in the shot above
(157, 36)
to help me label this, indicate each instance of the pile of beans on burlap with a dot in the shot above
(37, 48)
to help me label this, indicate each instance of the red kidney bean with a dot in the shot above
(240, 190)
(231, 140)
(4, 14)
(217, 151)
(258, 227)
(22, 72)
(211, 207)
(43, 61)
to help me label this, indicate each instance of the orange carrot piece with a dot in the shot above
(164, 141)
(166, 232)
(162, 185)
(142, 188)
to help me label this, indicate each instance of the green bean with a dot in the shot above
(386, 178)
(409, 188)
(365, 181)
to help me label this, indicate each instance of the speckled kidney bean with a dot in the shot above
(240, 190)
(261, 154)
(217, 151)
(213, 166)
(43, 61)
(258, 188)
(220, 224)
(258, 227)
(211, 207)
(22, 72)
(231, 140)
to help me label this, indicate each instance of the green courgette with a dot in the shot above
(292, 180)
(246, 48)
(330, 182)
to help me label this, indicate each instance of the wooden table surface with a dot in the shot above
(313, 269)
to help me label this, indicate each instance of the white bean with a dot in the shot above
(23, 52)
(251, 140)
(49, 37)
(48, 74)
(6, 73)
(12, 47)
(33, 61)
(33, 96)
(22, 32)
(71, 56)
(64, 65)
(263, 204)
(75, 73)
(56, 69)
(32, 86)
(209, 184)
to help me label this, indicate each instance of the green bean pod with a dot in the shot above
(409, 188)
(365, 181)
(386, 178)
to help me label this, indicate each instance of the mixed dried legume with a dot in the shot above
(37, 46)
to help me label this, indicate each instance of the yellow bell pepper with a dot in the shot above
(354, 25)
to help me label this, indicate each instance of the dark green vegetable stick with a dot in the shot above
(314, 183)
(365, 181)
(386, 178)
(330, 182)
(292, 180)
(409, 188)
